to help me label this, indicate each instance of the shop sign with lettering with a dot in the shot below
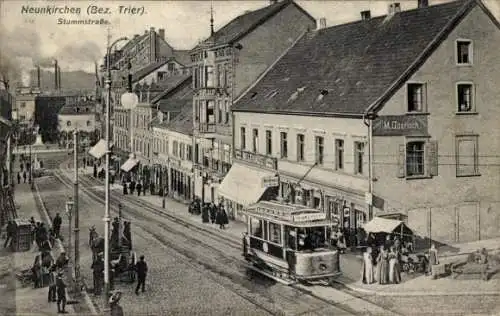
(268, 182)
(400, 125)
(309, 217)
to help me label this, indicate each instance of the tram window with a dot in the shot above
(290, 238)
(275, 233)
(311, 239)
(256, 227)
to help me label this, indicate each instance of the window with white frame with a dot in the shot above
(182, 151)
(467, 156)
(255, 140)
(269, 142)
(220, 110)
(339, 154)
(416, 97)
(283, 145)
(320, 149)
(359, 153)
(300, 147)
(464, 52)
(465, 97)
(415, 159)
(175, 148)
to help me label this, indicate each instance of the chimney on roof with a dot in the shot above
(161, 33)
(56, 81)
(38, 76)
(321, 23)
(58, 78)
(423, 3)
(366, 15)
(394, 8)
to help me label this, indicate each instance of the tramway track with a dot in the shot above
(193, 258)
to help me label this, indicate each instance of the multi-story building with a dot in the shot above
(79, 116)
(390, 127)
(223, 66)
(136, 137)
(24, 109)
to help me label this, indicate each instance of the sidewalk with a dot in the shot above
(29, 301)
(351, 263)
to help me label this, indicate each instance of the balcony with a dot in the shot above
(257, 159)
(206, 127)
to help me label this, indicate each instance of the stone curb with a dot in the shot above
(45, 214)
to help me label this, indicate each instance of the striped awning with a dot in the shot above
(99, 149)
(129, 164)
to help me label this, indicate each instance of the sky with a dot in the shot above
(29, 38)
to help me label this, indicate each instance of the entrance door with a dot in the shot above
(467, 222)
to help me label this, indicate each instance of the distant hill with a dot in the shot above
(70, 80)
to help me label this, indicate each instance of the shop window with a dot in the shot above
(256, 228)
(467, 157)
(275, 233)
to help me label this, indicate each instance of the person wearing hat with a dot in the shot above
(52, 285)
(142, 270)
(62, 261)
(115, 308)
(61, 293)
(98, 273)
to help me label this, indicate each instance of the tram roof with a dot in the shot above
(288, 214)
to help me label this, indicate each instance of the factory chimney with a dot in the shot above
(58, 78)
(56, 81)
(38, 83)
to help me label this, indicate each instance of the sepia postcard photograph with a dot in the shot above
(250, 157)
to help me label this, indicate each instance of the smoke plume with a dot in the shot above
(22, 52)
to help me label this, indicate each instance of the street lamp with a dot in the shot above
(69, 212)
(75, 206)
(106, 184)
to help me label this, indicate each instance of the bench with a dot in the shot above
(472, 268)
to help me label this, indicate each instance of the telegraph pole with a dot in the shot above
(77, 215)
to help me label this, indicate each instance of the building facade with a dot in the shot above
(375, 135)
(223, 66)
(81, 117)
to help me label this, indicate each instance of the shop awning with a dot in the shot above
(384, 225)
(129, 164)
(244, 185)
(99, 149)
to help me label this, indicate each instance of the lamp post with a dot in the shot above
(77, 215)
(34, 132)
(106, 184)
(69, 210)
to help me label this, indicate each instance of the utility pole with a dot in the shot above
(77, 215)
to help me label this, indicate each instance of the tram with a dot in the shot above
(289, 243)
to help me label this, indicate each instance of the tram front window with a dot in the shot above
(311, 238)
(256, 227)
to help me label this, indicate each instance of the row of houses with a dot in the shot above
(390, 116)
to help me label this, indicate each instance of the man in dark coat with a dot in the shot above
(61, 293)
(18, 178)
(11, 231)
(139, 188)
(95, 171)
(98, 274)
(24, 176)
(56, 224)
(132, 187)
(222, 218)
(52, 285)
(142, 271)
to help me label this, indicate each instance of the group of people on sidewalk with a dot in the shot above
(210, 213)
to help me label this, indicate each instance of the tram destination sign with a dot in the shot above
(309, 217)
(400, 125)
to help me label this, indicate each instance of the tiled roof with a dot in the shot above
(245, 23)
(345, 68)
(161, 88)
(171, 86)
(143, 72)
(83, 108)
(182, 57)
(182, 122)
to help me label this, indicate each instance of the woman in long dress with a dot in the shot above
(433, 259)
(383, 266)
(367, 272)
(394, 273)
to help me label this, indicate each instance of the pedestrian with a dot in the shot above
(367, 272)
(95, 171)
(21, 166)
(24, 176)
(62, 261)
(221, 218)
(205, 217)
(18, 178)
(61, 293)
(52, 285)
(144, 189)
(115, 308)
(56, 224)
(433, 259)
(142, 270)
(213, 213)
(382, 266)
(132, 187)
(152, 188)
(139, 187)
(98, 274)
(11, 231)
(394, 273)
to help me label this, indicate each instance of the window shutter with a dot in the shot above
(431, 158)
(402, 161)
